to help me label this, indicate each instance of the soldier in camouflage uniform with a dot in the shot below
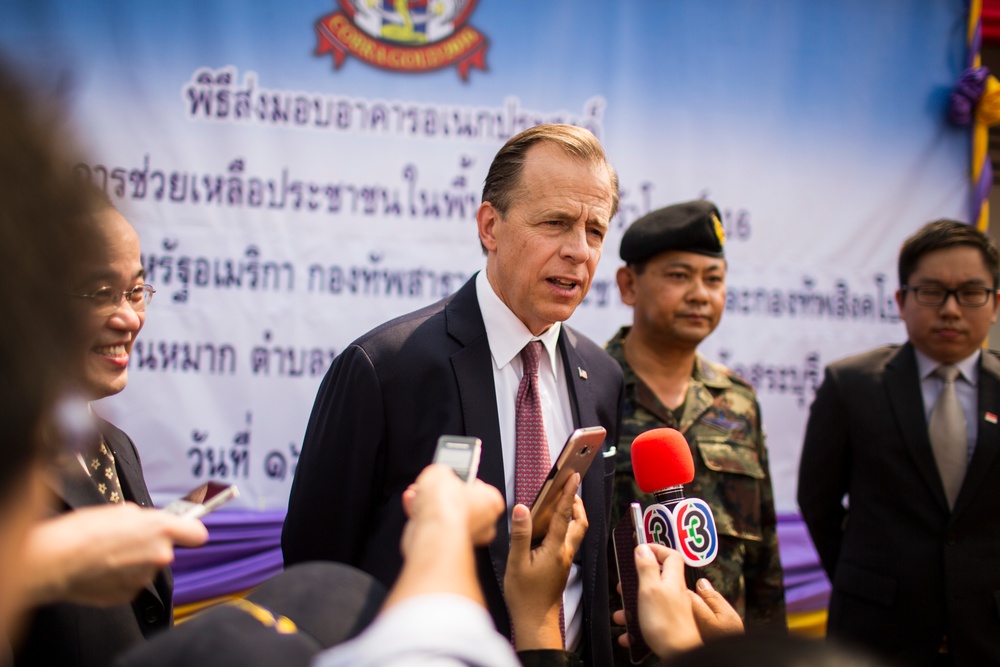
(675, 281)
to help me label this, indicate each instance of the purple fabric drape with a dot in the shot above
(244, 549)
(806, 585)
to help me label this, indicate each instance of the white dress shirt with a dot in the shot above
(507, 336)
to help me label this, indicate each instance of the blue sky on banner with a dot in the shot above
(780, 66)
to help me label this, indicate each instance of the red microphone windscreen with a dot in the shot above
(661, 458)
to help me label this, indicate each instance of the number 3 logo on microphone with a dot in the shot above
(657, 524)
(694, 526)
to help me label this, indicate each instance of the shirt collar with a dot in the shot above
(968, 367)
(506, 334)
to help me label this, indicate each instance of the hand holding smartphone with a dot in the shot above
(576, 456)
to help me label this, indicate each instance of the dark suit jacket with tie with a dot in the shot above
(906, 571)
(376, 421)
(71, 635)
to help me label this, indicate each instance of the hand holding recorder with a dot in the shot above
(446, 518)
(104, 555)
(662, 464)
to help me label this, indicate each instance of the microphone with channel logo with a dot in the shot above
(662, 464)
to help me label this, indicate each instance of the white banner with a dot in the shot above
(300, 172)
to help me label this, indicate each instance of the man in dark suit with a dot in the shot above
(454, 368)
(909, 433)
(87, 565)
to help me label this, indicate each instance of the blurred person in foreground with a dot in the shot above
(64, 242)
(40, 336)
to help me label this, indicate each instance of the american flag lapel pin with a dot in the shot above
(583, 374)
(990, 417)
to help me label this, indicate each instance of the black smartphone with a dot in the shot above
(203, 499)
(626, 535)
(460, 453)
(576, 456)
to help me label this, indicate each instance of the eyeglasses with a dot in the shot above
(107, 300)
(932, 295)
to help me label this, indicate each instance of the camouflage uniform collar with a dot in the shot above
(706, 372)
(707, 378)
(636, 391)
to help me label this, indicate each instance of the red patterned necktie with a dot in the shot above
(532, 459)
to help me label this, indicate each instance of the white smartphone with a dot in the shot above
(203, 499)
(640, 526)
(460, 453)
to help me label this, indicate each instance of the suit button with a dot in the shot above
(151, 614)
(952, 540)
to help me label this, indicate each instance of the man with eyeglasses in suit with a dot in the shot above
(909, 434)
(104, 551)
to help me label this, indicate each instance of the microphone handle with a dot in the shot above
(670, 496)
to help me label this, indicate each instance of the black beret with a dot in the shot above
(693, 226)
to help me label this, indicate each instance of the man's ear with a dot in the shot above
(487, 218)
(626, 284)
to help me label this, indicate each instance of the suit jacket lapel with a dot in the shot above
(988, 440)
(585, 414)
(902, 383)
(577, 377)
(74, 486)
(134, 489)
(473, 366)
